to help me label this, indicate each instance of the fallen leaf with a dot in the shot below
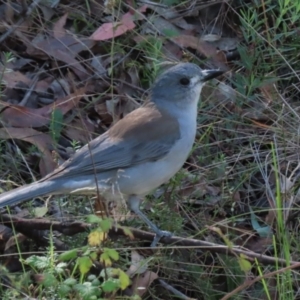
(142, 282)
(58, 28)
(12, 78)
(40, 212)
(270, 95)
(41, 140)
(258, 244)
(15, 239)
(61, 45)
(102, 110)
(111, 30)
(5, 235)
(139, 264)
(206, 49)
(80, 129)
(18, 116)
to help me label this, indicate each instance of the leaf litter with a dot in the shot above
(94, 65)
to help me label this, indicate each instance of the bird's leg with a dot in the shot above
(134, 205)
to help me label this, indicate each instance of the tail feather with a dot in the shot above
(27, 192)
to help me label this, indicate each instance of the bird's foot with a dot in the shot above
(158, 235)
(134, 203)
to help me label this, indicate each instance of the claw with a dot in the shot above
(160, 235)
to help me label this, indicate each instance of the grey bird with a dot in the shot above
(136, 155)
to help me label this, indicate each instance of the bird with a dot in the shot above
(138, 153)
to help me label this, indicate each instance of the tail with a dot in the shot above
(27, 192)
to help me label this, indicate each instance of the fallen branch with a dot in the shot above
(70, 228)
(176, 241)
(67, 227)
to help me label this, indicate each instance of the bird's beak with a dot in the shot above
(210, 74)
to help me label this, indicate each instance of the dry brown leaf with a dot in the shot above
(139, 264)
(41, 140)
(142, 282)
(80, 129)
(62, 46)
(258, 244)
(5, 234)
(105, 117)
(18, 116)
(15, 239)
(58, 28)
(12, 78)
(111, 30)
(206, 49)
(270, 94)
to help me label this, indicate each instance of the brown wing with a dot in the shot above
(143, 135)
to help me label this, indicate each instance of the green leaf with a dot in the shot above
(91, 277)
(63, 290)
(93, 219)
(68, 255)
(112, 253)
(170, 33)
(123, 277)
(127, 231)
(263, 231)
(56, 124)
(60, 267)
(244, 263)
(105, 259)
(107, 272)
(96, 282)
(85, 264)
(124, 280)
(111, 285)
(49, 280)
(93, 255)
(106, 224)
(39, 262)
(70, 281)
(171, 2)
(87, 291)
(40, 212)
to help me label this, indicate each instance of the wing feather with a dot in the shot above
(146, 134)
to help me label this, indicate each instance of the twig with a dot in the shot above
(247, 284)
(12, 28)
(21, 224)
(32, 86)
(173, 290)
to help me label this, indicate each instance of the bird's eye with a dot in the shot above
(184, 81)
